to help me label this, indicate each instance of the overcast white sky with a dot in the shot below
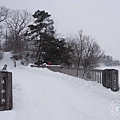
(98, 18)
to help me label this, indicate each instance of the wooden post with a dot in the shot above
(6, 90)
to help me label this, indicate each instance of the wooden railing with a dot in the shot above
(107, 77)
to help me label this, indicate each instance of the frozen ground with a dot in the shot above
(40, 94)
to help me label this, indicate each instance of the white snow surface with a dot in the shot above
(40, 94)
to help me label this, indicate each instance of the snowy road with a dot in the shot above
(40, 94)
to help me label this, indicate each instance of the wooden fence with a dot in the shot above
(5, 90)
(107, 77)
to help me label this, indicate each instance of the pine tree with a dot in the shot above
(49, 49)
(41, 30)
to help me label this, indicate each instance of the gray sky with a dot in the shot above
(98, 18)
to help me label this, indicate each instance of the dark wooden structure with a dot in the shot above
(110, 79)
(6, 102)
(107, 77)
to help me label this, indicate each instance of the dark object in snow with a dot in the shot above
(5, 67)
(110, 79)
(6, 99)
(14, 63)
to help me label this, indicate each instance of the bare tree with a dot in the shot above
(87, 52)
(91, 54)
(3, 15)
(17, 25)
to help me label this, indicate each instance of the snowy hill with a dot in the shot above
(40, 94)
(7, 60)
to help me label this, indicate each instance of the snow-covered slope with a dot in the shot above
(40, 94)
(6, 60)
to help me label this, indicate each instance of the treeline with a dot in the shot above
(33, 39)
(108, 60)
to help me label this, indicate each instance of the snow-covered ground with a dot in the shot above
(40, 94)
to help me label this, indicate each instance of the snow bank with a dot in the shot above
(40, 94)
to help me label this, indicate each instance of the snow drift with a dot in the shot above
(40, 94)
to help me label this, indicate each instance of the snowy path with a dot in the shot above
(40, 94)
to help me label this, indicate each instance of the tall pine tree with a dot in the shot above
(41, 30)
(48, 48)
